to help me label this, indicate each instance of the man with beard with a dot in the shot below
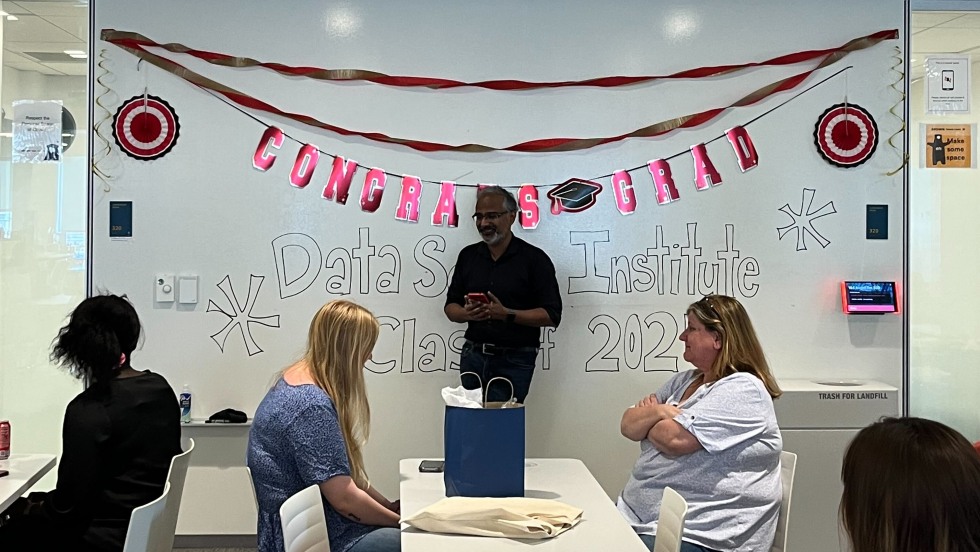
(505, 290)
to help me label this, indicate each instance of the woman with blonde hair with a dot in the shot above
(311, 428)
(910, 485)
(710, 434)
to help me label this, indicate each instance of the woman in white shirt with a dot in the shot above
(710, 434)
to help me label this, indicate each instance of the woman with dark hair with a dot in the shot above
(911, 485)
(118, 439)
(710, 434)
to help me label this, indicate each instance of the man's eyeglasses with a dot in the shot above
(489, 217)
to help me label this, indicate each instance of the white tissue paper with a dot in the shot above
(460, 396)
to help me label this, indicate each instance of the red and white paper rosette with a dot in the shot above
(846, 135)
(145, 127)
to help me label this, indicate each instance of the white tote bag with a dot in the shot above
(517, 517)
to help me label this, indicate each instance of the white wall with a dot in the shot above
(203, 210)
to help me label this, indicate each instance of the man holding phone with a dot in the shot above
(505, 290)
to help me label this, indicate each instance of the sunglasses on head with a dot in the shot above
(707, 302)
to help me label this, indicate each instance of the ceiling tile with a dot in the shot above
(30, 66)
(22, 65)
(52, 57)
(76, 26)
(35, 29)
(66, 8)
(12, 56)
(944, 40)
(42, 46)
(13, 8)
(921, 20)
(968, 21)
(72, 69)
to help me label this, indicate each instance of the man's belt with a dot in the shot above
(491, 349)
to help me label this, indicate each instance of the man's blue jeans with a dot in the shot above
(516, 364)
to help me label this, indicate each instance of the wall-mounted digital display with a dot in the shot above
(869, 297)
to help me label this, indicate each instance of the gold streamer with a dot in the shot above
(138, 41)
(537, 146)
(104, 150)
(900, 78)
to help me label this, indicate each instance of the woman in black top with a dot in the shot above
(119, 437)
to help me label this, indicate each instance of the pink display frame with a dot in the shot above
(850, 291)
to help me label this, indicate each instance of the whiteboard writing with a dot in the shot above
(681, 267)
(635, 343)
(418, 350)
(665, 267)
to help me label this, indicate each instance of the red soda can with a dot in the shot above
(4, 439)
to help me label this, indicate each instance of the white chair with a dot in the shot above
(787, 470)
(153, 529)
(304, 525)
(670, 526)
(251, 483)
(175, 480)
(178, 469)
(146, 526)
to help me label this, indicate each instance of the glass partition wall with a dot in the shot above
(43, 209)
(943, 221)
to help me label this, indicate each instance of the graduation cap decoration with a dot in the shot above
(573, 195)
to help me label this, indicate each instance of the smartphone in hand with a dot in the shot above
(478, 298)
(431, 466)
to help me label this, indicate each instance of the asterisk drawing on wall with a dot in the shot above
(240, 316)
(804, 219)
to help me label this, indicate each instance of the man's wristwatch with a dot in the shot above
(511, 316)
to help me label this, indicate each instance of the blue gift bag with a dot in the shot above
(484, 450)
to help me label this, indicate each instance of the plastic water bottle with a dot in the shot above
(185, 405)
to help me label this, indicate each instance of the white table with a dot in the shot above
(25, 470)
(563, 479)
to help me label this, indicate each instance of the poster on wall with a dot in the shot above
(37, 131)
(948, 84)
(947, 146)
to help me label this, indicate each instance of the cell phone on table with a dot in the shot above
(478, 298)
(431, 466)
(4, 472)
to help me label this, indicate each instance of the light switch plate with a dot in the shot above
(187, 289)
(163, 288)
